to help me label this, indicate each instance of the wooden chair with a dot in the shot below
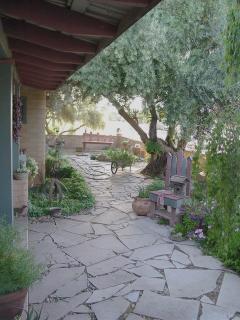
(168, 202)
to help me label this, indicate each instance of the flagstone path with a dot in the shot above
(110, 264)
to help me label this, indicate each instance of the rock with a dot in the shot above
(112, 279)
(133, 296)
(229, 292)
(138, 241)
(108, 266)
(104, 294)
(167, 308)
(191, 283)
(160, 264)
(152, 251)
(211, 312)
(111, 309)
(180, 257)
(145, 271)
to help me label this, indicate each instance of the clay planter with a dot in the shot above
(142, 206)
(20, 176)
(12, 304)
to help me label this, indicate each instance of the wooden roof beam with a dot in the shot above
(24, 58)
(37, 51)
(58, 18)
(46, 38)
(129, 3)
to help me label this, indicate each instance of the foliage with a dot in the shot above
(21, 170)
(54, 163)
(153, 147)
(32, 167)
(144, 191)
(172, 59)
(223, 181)
(17, 118)
(32, 314)
(187, 227)
(232, 43)
(122, 157)
(76, 197)
(18, 269)
(68, 105)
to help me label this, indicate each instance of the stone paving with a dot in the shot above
(110, 264)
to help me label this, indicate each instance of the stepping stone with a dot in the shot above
(152, 251)
(143, 283)
(52, 281)
(104, 294)
(229, 295)
(109, 217)
(207, 262)
(111, 309)
(180, 257)
(133, 316)
(133, 296)
(138, 241)
(160, 264)
(146, 271)
(167, 308)
(205, 299)
(73, 287)
(191, 251)
(78, 317)
(130, 230)
(190, 283)
(99, 229)
(112, 279)
(88, 254)
(211, 312)
(108, 266)
(80, 228)
(108, 242)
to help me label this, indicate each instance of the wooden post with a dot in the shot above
(6, 146)
(168, 171)
(189, 176)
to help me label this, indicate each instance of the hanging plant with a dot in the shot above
(17, 118)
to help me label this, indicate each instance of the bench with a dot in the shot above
(90, 138)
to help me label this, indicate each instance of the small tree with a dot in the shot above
(68, 105)
(172, 59)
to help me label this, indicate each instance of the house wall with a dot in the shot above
(33, 131)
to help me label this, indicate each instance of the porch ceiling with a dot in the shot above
(51, 39)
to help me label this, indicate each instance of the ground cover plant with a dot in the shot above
(18, 269)
(144, 191)
(64, 188)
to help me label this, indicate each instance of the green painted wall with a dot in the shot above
(6, 161)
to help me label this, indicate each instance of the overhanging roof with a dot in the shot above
(51, 39)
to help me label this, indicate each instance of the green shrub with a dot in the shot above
(122, 157)
(32, 167)
(18, 269)
(54, 163)
(76, 197)
(223, 185)
(144, 192)
(153, 147)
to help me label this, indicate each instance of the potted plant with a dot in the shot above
(21, 174)
(18, 272)
(142, 205)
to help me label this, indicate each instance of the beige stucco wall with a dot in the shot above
(33, 132)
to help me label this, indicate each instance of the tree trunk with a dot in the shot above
(133, 123)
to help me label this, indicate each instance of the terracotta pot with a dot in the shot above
(20, 176)
(11, 304)
(142, 206)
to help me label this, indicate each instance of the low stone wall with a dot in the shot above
(73, 142)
